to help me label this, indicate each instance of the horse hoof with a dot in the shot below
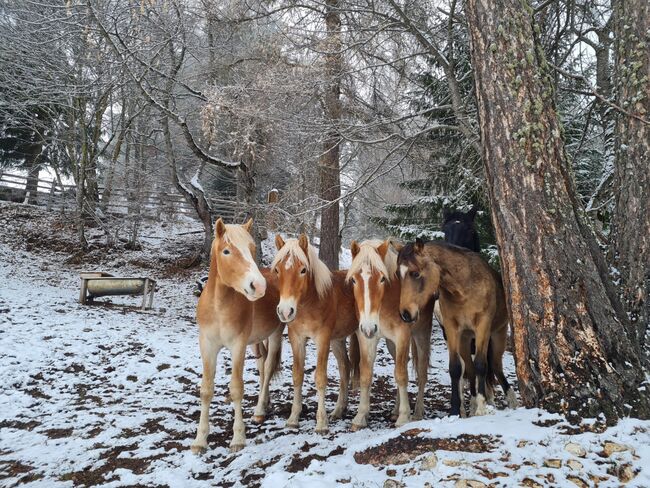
(292, 425)
(393, 417)
(259, 419)
(322, 430)
(417, 416)
(356, 427)
(199, 449)
(236, 447)
(401, 422)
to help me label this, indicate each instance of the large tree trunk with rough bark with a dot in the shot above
(571, 348)
(630, 235)
(330, 180)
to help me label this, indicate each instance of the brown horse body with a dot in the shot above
(316, 304)
(472, 305)
(377, 293)
(236, 309)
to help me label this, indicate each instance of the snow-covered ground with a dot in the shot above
(108, 395)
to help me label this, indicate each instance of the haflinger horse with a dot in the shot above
(236, 309)
(316, 303)
(472, 304)
(373, 274)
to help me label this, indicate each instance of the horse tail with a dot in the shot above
(355, 360)
(490, 377)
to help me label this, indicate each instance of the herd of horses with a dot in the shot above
(390, 291)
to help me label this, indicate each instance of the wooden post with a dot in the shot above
(144, 293)
(50, 199)
(82, 294)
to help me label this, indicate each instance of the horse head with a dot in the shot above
(233, 249)
(298, 270)
(373, 266)
(459, 229)
(420, 279)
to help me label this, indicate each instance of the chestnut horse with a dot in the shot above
(373, 274)
(472, 304)
(315, 303)
(236, 308)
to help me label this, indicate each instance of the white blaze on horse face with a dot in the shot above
(368, 322)
(253, 283)
(403, 269)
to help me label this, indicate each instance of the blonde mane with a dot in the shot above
(368, 256)
(315, 267)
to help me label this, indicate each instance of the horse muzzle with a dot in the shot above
(369, 329)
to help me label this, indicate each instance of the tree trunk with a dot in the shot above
(330, 179)
(571, 349)
(631, 218)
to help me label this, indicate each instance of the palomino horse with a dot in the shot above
(236, 308)
(317, 304)
(373, 274)
(472, 303)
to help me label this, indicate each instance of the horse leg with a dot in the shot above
(423, 345)
(298, 370)
(354, 361)
(238, 353)
(469, 375)
(499, 340)
(322, 354)
(209, 350)
(393, 352)
(402, 345)
(269, 366)
(455, 366)
(482, 333)
(341, 355)
(368, 351)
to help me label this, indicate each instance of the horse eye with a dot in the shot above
(383, 279)
(275, 270)
(303, 270)
(415, 274)
(354, 282)
(226, 252)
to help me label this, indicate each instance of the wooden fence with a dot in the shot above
(150, 203)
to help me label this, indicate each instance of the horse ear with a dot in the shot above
(472, 212)
(419, 245)
(354, 249)
(279, 242)
(383, 249)
(249, 225)
(396, 245)
(303, 242)
(219, 228)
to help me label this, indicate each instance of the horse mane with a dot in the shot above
(315, 267)
(369, 256)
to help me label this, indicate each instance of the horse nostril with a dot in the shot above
(291, 312)
(406, 316)
(252, 286)
(376, 328)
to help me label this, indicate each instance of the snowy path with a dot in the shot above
(109, 396)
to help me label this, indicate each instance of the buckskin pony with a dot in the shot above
(472, 304)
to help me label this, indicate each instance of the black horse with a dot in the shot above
(459, 229)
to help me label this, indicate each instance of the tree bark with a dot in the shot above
(330, 179)
(571, 349)
(630, 237)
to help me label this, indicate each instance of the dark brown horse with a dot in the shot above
(472, 305)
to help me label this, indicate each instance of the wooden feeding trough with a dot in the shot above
(98, 284)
